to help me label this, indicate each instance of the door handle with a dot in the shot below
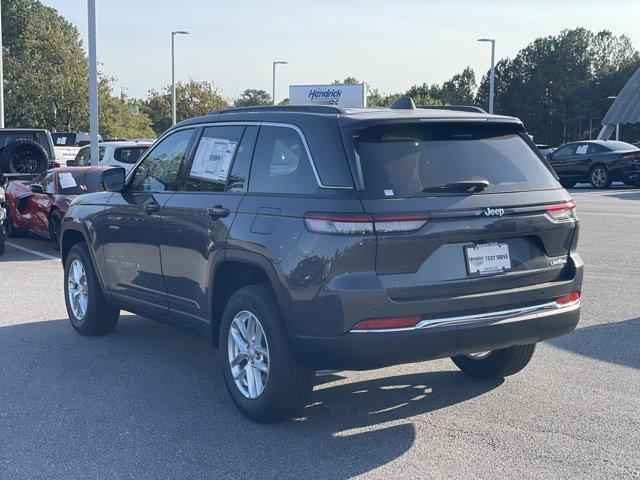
(218, 211)
(151, 207)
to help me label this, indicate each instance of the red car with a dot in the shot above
(38, 205)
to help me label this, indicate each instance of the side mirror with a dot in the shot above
(36, 188)
(112, 180)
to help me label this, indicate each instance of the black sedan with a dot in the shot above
(597, 162)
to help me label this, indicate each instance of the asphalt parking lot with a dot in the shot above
(148, 401)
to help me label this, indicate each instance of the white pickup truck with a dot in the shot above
(68, 144)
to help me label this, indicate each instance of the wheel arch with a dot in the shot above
(71, 235)
(239, 269)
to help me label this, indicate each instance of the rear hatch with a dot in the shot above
(460, 208)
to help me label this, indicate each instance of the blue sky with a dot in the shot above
(389, 44)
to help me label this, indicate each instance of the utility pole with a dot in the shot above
(93, 83)
(173, 72)
(492, 74)
(1, 74)
(273, 84)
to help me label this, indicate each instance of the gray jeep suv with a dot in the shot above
(307, 238)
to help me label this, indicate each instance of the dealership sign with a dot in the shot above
(337, 95)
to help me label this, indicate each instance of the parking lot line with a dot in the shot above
(34, 252)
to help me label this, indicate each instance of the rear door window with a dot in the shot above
(281, 163)
(405, 160)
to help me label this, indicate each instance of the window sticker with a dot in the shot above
(213, 159)
(582, 149)
(61, 141)
(66, 180)
(388, 193)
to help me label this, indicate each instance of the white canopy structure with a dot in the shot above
(625, 108)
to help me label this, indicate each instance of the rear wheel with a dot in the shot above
(495, 364)
(264, 380)
(89, 312)
(1, 241)
(599, 177)
(54, 229)
(10, 228)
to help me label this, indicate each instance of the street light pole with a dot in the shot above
(273, 85)
(492, 74)
(1, 74)
(173, 73)
(93, 82)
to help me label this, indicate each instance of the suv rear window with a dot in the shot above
(405, 159)
(129, 155)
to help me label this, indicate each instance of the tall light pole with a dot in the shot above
(492, 74)
(1, 75)
(173, 73)
(93, 82)
(273, 85)
(613, 97)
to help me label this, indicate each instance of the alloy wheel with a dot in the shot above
(24, 162)
(599, 177)
(55, 231)
(248, 353)
(78, 289)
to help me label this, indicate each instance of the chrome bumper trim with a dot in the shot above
(503, 316)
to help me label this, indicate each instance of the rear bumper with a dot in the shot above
(437, 338)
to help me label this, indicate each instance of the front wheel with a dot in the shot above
(264, 380)
(89, 312)
(495, 364)
(599, 177)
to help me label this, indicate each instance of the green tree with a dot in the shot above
(46, 76)
(45, 67)
(193, 99)
(558, 85)
(251, 98)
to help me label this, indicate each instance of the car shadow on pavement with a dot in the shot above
(627, 195)
(614, 342)
(149, 401)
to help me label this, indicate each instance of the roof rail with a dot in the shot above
(459, 108)
(284, 108)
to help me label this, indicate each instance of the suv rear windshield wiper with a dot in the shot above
(471, 186)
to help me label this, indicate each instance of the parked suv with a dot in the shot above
(307, 238)
(123, 154)
(26, 150)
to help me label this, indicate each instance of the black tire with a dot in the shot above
(599, 177)
(101, 316)
(23, 156)
(497, 364)
(568, 183)
(10, 228)
(1, 242)
(288, 382)
(54, 229)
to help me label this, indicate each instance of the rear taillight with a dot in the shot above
(387, 323)
(565, 212)
(399, 223)
(350, 224)
(631, 156)
(568, 299)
